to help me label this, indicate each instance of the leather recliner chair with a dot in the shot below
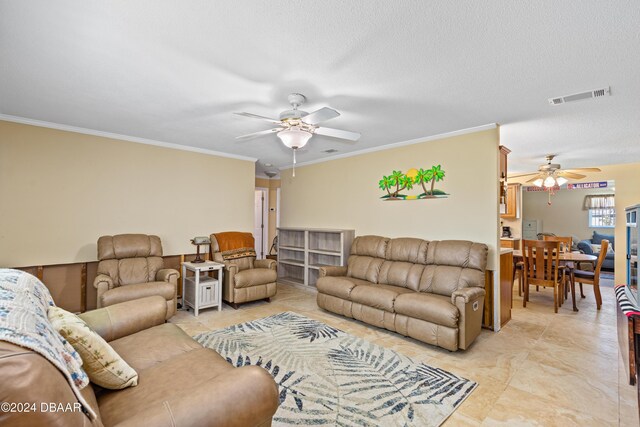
(131, 267)
(245, 279)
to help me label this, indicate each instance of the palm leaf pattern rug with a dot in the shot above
(328, 377)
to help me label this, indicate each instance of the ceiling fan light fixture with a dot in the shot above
(294, 137)
(549, 181)
(538, 182)
(561, 181)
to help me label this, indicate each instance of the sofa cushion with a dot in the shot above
(254, 277)
(373, 246)
(175, 376)
(378, 296)
(338, 286)
(104, 366)
(596, 249)
(398, 273)
(458, 253)
(140, 290)
(407, 249)
(453, 264)
(148, 347)
(364, 267)
(428, 307)
(598, 238)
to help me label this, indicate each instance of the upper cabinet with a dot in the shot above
(502, 190)
(508, 193)
(510, 210)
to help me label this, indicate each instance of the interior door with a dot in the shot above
(261, 221)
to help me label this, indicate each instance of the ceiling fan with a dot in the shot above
(550, 174)
(295, 127)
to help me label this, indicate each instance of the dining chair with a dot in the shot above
(518, 268)
(567, 242)
(593, 277)
(541, 261)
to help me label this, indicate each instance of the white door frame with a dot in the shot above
(265, 222)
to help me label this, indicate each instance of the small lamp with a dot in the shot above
(200, 241)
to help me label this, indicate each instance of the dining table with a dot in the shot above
(565, 258)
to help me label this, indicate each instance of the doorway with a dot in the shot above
(261, 221)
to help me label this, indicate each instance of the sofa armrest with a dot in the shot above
(265, 263)
(467, 294)
(167, 275)
(333, 271)
(584, 246)
(246, 396)
(469, 302)
(102, 283)
(126, 318)
(230, 272)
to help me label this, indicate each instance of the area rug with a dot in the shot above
(328, 377)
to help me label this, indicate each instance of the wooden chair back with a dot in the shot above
(541, 257)
(567, 241)
(603, 254)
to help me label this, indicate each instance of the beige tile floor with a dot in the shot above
(541, 369)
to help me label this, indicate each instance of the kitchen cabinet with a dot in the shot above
(506, 286)
(511, 210)
(510, 244)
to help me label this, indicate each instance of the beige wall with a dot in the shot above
(344, 193)
(565, 216)
(626, 177)
(272, 185)
(61, 190)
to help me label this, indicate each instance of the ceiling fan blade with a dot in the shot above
(321, 115)
(522, 174)
(337, 133)
(255, 116)
(583, 170)
(256, 134)
(567, 174)
(534, 178)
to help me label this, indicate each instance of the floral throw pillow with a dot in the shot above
(100, 361)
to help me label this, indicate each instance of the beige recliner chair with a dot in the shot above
(245, 278)
(131, 267)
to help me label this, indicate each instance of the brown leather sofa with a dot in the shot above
(432, 291)
(131, 267)
(245, 279)
(180, 383)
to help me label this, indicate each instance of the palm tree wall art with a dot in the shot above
(397, 182)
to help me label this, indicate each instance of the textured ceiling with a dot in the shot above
(174, 71)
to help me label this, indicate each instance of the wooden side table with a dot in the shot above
(202, 290)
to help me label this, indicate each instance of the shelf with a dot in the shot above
(323, 252)
(303, 251)
(292, 248)
(318, 266)
(204, 280)
(299, 263)
(292, 280)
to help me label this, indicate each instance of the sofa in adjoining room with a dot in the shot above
(179, 382)
(592, 247)
(432, 291)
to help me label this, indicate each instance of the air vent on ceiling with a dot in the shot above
(596, 93)
(330, 150)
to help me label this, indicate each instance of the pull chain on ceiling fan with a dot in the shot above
(296, 127)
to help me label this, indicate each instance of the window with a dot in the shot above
(602, 211)
(602, 218)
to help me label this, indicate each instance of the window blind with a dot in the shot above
(600, 201)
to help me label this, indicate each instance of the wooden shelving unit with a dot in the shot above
(302, 251)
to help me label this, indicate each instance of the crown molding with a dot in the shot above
(397, 144)
(173, 146)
